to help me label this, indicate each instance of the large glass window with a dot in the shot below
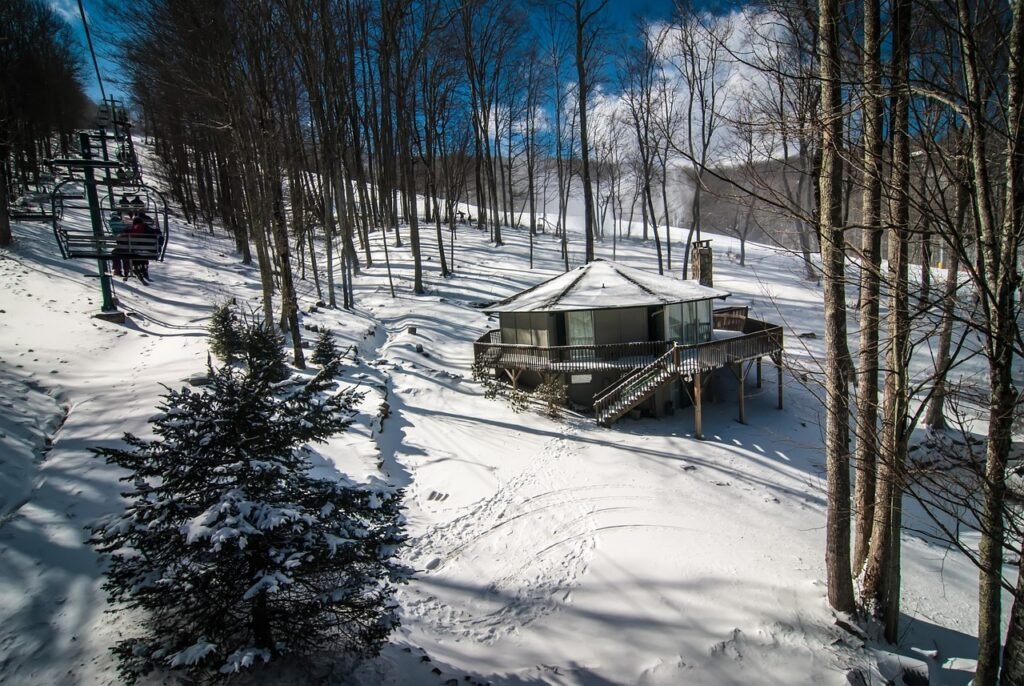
(508, 327)
(705, 318)
(674, 322)
(540, 321)
(526, 328)
(580, 327)
(688, 323)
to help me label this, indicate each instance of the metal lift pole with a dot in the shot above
(106, 158)
(97, 223)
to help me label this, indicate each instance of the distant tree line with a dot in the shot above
(42, 99)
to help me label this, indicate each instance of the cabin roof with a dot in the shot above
(602, 284)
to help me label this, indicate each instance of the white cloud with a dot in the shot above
(66, 10)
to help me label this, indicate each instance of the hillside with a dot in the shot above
(549, 551)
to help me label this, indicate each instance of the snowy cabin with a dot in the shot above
(625, 339)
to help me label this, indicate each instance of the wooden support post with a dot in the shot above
(740, 375)
(697, 430)
(513, 376)
(777, 358)
(759, 371)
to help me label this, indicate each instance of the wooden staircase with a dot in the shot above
(635, 387)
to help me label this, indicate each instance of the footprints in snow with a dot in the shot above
(535, 573)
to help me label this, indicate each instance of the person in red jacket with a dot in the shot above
(127, 246)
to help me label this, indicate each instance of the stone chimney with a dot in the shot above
(701, 263)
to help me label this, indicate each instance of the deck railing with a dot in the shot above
(489, 350)
(730, 318)
(756, 339)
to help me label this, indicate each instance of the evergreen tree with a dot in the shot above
(262, 349)
(225, 333)
(326, 353)
(234, 551)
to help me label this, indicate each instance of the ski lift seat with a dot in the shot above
(29, 215)
(80, 245)
(109, 236)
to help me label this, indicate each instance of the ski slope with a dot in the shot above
(550, 551)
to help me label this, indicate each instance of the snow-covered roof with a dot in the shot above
(602, 285)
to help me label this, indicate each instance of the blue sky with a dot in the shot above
(620, 13)
(99, 27)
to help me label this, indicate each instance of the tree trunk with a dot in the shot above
(871, 247)
(1013, 653)
(289, 300)
(881, 577)
(935, 418)
(924, 297)
(330, 191)
(837, 354)
(1004, 396)
(996, 265)
(584, 86)
(5, 201)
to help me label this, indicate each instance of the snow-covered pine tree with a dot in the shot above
(234, 552)
(262, 351)
(326, 353)
(225, 333)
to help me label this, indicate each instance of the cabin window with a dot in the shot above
(620, 325)
(539, 323)
(525, 328)
(580, 327)
(688, 323)
(681, 323)
(674, 322)
(705, 320)
(508, 327)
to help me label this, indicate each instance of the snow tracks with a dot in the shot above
(502, 539)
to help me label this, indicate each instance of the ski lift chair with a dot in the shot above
(76, 238)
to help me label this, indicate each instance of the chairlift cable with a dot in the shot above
(88, 39)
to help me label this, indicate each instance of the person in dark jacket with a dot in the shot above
(127, 245)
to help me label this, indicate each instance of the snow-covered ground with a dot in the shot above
(550, 551)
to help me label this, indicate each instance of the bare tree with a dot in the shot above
(586, 18)
(41, 94)
(699, 55)
(638, 73)
(882, 574)
(837, 353)
(871, 260)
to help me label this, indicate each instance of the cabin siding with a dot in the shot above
(620, 325)
(686, 323)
